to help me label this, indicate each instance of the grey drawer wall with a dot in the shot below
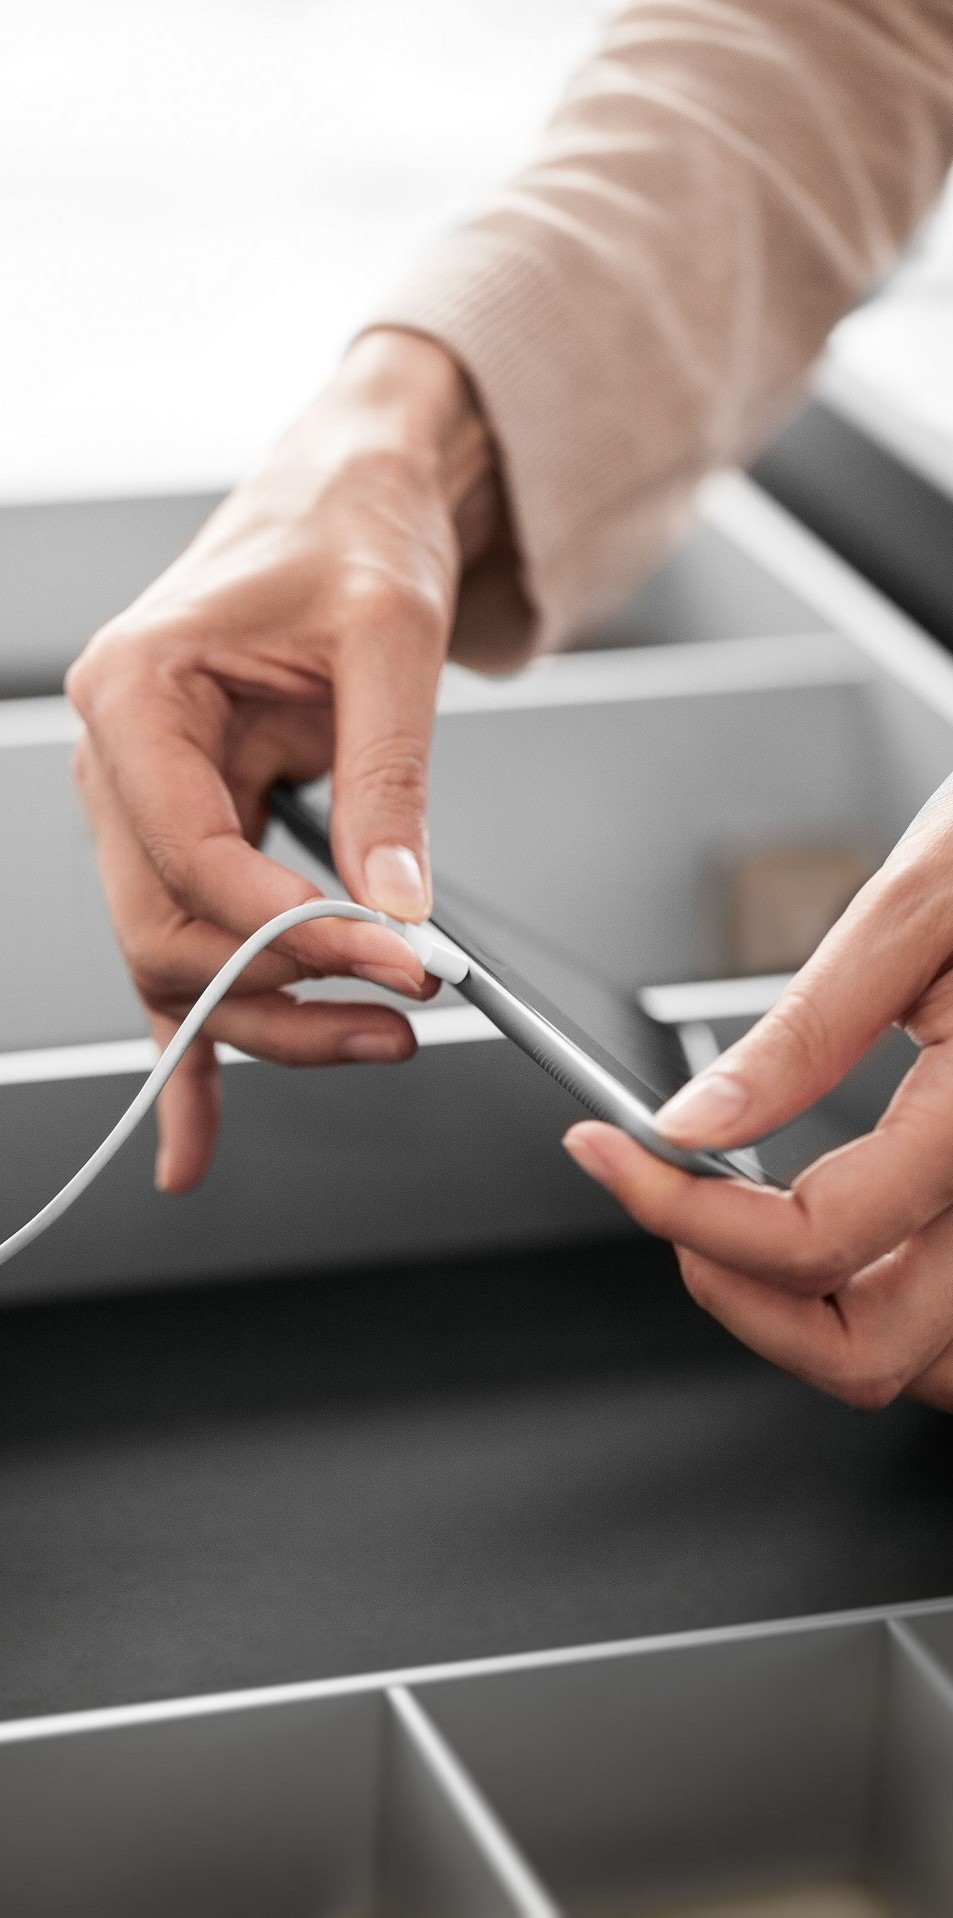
(67, 566)
(586, 1783)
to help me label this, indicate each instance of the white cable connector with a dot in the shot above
(437, 954)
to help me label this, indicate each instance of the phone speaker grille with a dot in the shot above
(565, 1077)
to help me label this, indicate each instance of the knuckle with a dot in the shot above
(801, 1030)
(873, 1392)
(393, 768)
(651, 1211)
(427, 608)
(920, 856)
(186, 867)
(78, 685)
(375, 602)
(697, 1280)
(156, 977)
(820, 1268)
(170, 871)
(368, 598)
(175, 869)
(153, 984)
(92, 669)
(868, 1384)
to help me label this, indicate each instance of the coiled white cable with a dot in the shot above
(436, 953)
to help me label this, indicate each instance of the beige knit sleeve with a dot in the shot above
(722, 181)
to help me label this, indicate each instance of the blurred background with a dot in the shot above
(201, 199)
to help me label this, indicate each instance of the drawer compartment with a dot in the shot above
(806, 1765)
(762, 1762)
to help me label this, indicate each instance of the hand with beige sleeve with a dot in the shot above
(510, 446)
(719, 186)
(305, 627)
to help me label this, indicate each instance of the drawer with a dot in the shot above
(599, 797)
(596, 1783)
(67, 566)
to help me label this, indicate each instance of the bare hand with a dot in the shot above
(305, 628)
(846, 1281)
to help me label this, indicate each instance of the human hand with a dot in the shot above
(304, 629)
(847, 1280)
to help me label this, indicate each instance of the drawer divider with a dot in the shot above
(442, 1845)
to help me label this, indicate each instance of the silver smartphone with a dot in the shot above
(620, 1063)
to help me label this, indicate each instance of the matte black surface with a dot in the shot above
(241, 1485)
(889, 522)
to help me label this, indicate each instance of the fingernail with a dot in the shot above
(581, 1146)
(374, 1048)
(395, 882)
(162, 1170)
(705, 1108)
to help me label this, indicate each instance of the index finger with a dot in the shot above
(865, 975)
(160, 751)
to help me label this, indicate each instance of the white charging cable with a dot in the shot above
(437, 954)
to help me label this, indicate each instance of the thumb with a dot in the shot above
(385, 695)
(865, 975)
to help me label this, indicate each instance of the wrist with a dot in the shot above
(418, 393)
